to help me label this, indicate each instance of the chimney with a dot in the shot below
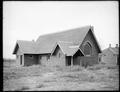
(92, 28)
(109, 45)
(116, 45)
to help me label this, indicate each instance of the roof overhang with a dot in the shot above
(92, 30)
(76, 52)
(66, 53)
(54, 48)
(15, 48)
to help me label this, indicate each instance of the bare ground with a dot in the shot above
(38, 78)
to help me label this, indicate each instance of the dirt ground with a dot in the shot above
(38, 78)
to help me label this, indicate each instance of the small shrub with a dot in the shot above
(23, 88)
(76, 68)
(111, 67)
(40, 86)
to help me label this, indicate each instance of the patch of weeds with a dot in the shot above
(40, 86)
(94, 68)
(111, 67)
(110, 87)
(70, 76)
(58, 68)
(92, 89)
(22, 88)
(73, 80)
(91, 79)
(76, 69)
(52, 80)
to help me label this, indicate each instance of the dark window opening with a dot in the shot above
(59, 55)
(39, 57)
(21, 59)
(99, 59)
(68, 60)
(48, 57)
(31, 56)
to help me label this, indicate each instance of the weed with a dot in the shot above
(22, 88)
(40, 86)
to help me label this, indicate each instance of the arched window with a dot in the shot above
(87, 49)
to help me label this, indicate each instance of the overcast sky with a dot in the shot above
(25, 20)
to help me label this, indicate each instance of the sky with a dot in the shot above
(27, 20)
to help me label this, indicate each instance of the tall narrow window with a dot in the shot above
(59, 55)
(21, 59)
(48, 57)
(31, 56)
(87, 49)
(99, 59)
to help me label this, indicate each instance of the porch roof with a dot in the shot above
(68, 48)
(28, 47)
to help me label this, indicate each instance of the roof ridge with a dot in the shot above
(45, 43)
(23, 41)
(66, 30)
(64, 42)
(112, 49)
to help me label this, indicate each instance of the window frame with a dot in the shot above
(48, 57)
(90, 46)
(59, 55)
(31, 56)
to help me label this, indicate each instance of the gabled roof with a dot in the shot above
(26, 47)
(115, 50)
(68, 48)
(112, 49)
(47, 42)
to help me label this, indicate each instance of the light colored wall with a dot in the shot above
(109, 58)
(18, 53)
(43, 60)
(59, 61)
(54, 59)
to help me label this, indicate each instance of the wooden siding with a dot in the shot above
(109, 58)
(30, 59)
(76, 58)
(88, 61)
(58, 58)
(89, 37)
(93, 58)
(18, 54)
(43, 59)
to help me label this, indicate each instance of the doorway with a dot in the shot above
(20, 59)
(68, 60)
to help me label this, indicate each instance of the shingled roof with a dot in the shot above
(114, 50)
(68, 48)
(28, 47)
(46, 43)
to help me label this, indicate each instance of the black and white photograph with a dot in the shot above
(60, 46)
